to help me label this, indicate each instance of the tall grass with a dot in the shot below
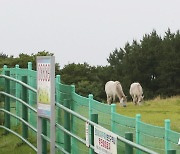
(155, 111)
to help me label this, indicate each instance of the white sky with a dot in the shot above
(81, 30)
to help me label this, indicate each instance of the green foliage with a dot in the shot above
(23, 59)
(87, 87)
(85, 78)
(73, 73)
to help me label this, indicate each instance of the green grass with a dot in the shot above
(156, 111)
(10, 144)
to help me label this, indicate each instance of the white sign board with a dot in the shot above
(87, 134)
(44, 86)
(105, 142)
(46, 98)
(179, 142)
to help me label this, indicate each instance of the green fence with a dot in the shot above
(159, 139)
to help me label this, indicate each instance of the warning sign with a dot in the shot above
(44, 86)
(105, 142)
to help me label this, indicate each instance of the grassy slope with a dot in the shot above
(156, 111)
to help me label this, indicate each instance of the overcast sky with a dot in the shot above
(81, 30)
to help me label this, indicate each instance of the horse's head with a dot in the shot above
(140, 99)
(123, 101)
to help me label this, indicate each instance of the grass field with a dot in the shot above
(156, 111)
(10, 144)
(152, 112)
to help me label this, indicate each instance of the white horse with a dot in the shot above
(113, 89)
(136, 93)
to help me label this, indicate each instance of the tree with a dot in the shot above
(169, 70)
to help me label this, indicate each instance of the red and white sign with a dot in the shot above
(43, 72)
(105, 142)
(44, 87)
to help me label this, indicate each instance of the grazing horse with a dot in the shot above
(113, 89)
(136, 93)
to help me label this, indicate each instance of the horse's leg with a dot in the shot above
(114, 98)
(134, 100)
(139, 100)
(109, 99)
(120, 101)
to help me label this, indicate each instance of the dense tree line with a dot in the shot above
(154, 61)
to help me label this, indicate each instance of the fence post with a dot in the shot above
(17, 94)
(24, 109)
(44, 132)
(113, 110)
(138, 119)
(90, 108)
(128, 148)
(94, 118)
(91, 151)
(171, 151)
(7, 101)
(73, 141)
(167, 128)
(4, 69)
(67, 138)
(58, 80)
(30, 92)
(29, 65)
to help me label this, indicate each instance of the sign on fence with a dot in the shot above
(87, 134)
(105, 142)
(46, 99)
(44, 86)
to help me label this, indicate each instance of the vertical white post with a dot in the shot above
(52, 118)
(39, 138)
